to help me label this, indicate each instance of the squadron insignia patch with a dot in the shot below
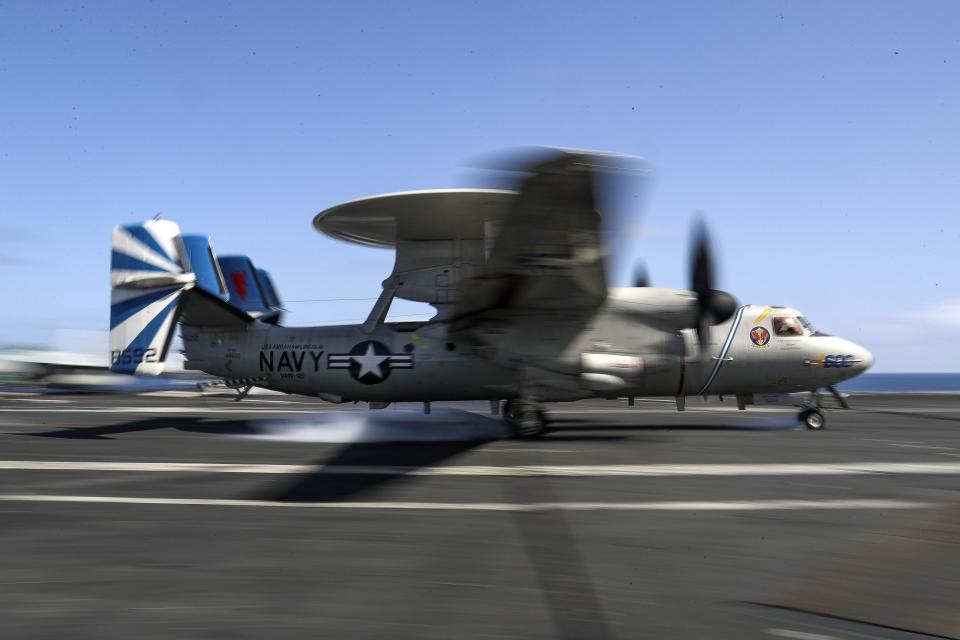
(370, 362)
(760, 337)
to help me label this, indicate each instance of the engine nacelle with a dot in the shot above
(668, 309)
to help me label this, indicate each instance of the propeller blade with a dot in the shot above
(701, 281)
(641, 278)
(701, 272)
(620, 188)
(713, 306)
(619, 184)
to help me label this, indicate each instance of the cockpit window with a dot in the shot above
(788, 326)
(806, 324)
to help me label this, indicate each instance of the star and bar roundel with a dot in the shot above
(370, 362)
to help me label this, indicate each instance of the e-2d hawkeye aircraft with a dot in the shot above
(524, 313)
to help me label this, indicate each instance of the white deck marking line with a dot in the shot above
(908, 410)
(249, 400)
(507, 450)
(187, 410)
(922, 446)
(803, 635)
(744, 505)
(647, 470)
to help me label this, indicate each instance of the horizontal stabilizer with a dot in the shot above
(200, 308)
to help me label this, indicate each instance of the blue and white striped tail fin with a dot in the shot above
(147, 278)
(159, 276)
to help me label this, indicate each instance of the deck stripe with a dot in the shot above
(743, 505)
(572, 471)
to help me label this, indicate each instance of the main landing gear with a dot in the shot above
(526, 418)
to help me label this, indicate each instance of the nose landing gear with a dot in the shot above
(813, 419)
(811, 415)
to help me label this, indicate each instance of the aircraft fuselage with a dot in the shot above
(615, 355)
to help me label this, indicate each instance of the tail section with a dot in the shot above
(147, 280)
(250, 288)
(270, 291)
(202, 261)
(158, 277)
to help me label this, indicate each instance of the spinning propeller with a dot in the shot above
(621, 229)
(713, 306)
(614, 188)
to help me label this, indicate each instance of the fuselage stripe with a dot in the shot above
(723, 352)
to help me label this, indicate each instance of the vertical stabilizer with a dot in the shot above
(251, 289)
(147, 278)
(159, 277)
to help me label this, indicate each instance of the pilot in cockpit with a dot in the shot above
(788, 326)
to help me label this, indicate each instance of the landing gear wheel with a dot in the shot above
(813, 419)
(526, 419)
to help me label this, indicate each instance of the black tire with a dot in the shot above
(813, 419)
(526, 419)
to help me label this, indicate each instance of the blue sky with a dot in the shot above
(820, 139)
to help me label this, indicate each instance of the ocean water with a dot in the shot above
(903, 382)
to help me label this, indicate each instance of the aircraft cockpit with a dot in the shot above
(792, 326)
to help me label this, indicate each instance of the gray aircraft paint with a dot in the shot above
(297, 360)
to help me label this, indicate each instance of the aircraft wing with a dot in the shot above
(549, 254)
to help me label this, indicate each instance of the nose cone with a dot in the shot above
(855, 361)
(836, 360)
(865, 358)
